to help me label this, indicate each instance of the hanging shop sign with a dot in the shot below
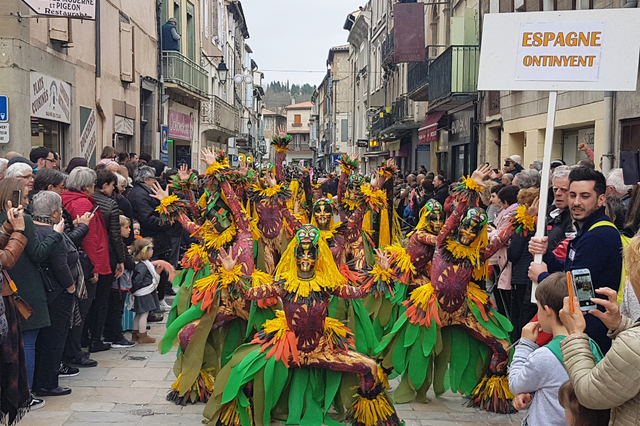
(80, 9)
(124, 126)
(50, 98)
(180, 126)
(88, 136)
(586, 50)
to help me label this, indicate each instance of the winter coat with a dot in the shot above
(615, 382)
(111, 214)
(96, 243)
(62, 264)
(558, 227)
(27, 276)
(441, 194)
(151, 225)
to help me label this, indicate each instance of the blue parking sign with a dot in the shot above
(4, 109)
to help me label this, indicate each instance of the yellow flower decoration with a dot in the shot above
(472, 184)
(213, 239)
(283, 149)
(335, 326)
(372, 411)
(528, 222)
(259, 278)
(229, 277)
(278, 325)
(381, 274)
(217, 166)
(474, 291)
(167, 201)
(345, 169)
(349, 203)
(377, 197)
(268, 192)
(401, 258)
(422, 295)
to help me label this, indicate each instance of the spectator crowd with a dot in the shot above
(86, 259)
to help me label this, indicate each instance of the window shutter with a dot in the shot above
(126, 52)
(344, 132)
(59, 29)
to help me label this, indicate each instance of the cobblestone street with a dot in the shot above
(129, 387)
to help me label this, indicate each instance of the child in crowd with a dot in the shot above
(136, 230)
(113, 327)
(143, 297)
(577, 414)
(539, 369)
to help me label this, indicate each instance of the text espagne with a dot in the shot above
(571, 39)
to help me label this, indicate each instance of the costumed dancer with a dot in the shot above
(208, 302)
(301, 360)
(423, 343)
(410, 268)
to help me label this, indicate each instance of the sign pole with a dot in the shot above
(544, 180)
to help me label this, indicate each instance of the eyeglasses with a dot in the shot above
(49, 159)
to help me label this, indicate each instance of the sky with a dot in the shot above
(296, 35)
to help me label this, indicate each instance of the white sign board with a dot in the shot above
(585, 50)
(83, 9)
(4, 133)
(50, 98)
(88, 137)
(124, 126)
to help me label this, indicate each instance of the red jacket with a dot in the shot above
(96, 243)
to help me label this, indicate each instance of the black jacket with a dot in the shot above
(111, 213)
(520, 258)
(141, 277)
(558, 227)
(442, 193)
(61, 267)
(151, 225)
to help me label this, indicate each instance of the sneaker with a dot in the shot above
(36, 403)
(169, 291)
(164, 305)
(67, 371)
(123, 343)
(155, 317)
(98, 347)
(83, 361)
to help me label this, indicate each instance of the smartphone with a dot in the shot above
(94, 209)
(583, 289)
(630, 164)
(16, 198)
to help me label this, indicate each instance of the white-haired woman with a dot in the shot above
(78, 200)
(60, 273)
(21, 171)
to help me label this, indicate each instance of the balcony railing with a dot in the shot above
(300, 147)
(180, 70)
(381, 123)
(225, 116)
(453, 75)
(418, 79)
(388, 49)
(400, 109)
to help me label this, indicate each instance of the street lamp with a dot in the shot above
(249, 125)
(223, 72)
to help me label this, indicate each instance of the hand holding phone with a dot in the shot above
(94, 209)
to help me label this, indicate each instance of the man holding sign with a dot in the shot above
(597, 245)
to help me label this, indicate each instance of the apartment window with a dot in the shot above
(164, 14)
(344, 131)
(297, 120)
(178, 15)
(126, 50)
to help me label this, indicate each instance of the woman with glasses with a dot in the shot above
(21, 171)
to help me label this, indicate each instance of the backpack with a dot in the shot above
(625, 242)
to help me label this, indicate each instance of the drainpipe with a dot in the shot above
(159, 101)
(98, 60)
(607, 156)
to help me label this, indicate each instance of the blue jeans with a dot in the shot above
(29, 339)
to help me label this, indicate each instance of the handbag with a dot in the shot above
(23, 308)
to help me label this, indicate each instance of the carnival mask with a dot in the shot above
(354, 183)
(322, 212)
(471, 226)
(435, 218)
(307, 247)
(219, 215)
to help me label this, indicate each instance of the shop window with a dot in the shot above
(630, 136)
(60, 29)
(46, 133)
(126, 51)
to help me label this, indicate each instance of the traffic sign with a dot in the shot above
(64, 8)
(4, 132)
(4, 109)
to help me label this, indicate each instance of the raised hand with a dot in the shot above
(611, 317)
(243, 169)
(573, 321)
(355, 157)
(184, 173)
(59, 227)
(208, 156)
(85, 218)
(383, 259)
(158, 192)
(482, 173)
(227, 259)
(271, 180)
(532, 210)
(15, 216)
(281, 132)
(375, 179)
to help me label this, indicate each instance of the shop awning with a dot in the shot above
(428, 131)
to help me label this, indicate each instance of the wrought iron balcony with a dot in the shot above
(184, 73)
(418, 79)
(381, 121)
(400, 109)
(388, 49)
(453, 77)
(219, 115)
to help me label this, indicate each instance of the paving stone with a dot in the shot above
(97, 383)
(129, 373)
(104, 418)
(155, 408)
(126, 395)
(92, 406)
(172, 420)
(45, 417)
(158, 384)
